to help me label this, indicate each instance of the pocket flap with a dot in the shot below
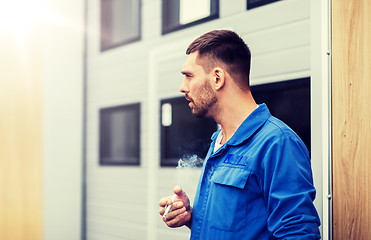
(235, 177)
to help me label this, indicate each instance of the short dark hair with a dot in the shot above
(224, 47)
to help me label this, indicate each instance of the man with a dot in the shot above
(256, 182)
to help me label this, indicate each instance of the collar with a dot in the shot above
(249, 126)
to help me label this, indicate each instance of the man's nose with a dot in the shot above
(183, 87)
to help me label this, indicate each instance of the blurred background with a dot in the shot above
(93, 124)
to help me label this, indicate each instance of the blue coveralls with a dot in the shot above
(258, 185)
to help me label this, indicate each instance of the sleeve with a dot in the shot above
(287, 183)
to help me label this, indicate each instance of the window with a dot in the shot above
(120, 135)
(257, 3)
(182, 134)
(120, 22)
(290, 102)
(179, 14)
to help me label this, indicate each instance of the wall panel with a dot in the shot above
(63, 77)
(351, 114)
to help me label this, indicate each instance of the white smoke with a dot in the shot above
(188, 172)
(191, 161)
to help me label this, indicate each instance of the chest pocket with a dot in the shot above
(228, 198)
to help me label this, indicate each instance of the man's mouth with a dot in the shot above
(189, 100)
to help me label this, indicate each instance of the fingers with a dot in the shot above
(174, 213)
(177, 218)
(180, 213)
(178, 191)
(165, 201)
(182, 196)
(174, 206)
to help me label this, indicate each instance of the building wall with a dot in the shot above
(122, 202)
(63, 47)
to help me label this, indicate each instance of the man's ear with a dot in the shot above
(219, 78)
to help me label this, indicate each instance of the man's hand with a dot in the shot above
(181, 211)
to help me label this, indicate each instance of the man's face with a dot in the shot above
(197, 87)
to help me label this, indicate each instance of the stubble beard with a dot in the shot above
(205, 104)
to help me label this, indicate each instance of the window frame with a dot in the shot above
(103, 118)
(171, 161)
(167, 27)
(260, 91)
(259, 3)
(104, 43)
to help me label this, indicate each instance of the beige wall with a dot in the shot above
(20, 136)
(41, 119)
(351, 109)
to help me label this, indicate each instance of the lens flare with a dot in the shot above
(18, 17)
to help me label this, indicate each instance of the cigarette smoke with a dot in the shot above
(188, 173)
(190, 161)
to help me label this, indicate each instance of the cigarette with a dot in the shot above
(168, 207)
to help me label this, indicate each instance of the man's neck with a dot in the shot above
(233, 116)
